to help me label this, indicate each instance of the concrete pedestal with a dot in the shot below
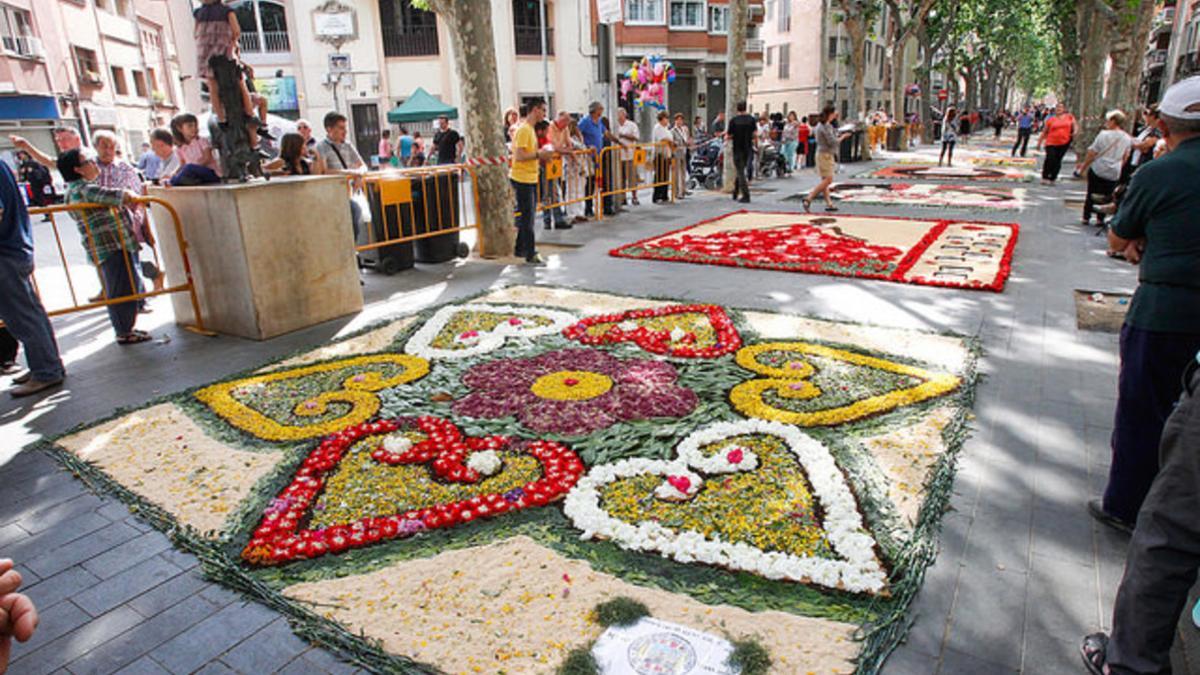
(267, 257)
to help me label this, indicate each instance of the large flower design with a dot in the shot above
(574, 391)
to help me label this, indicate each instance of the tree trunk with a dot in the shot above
(1094, 34)
(1127, 57)
(737, 84)
(470, 25)
(925, 112)
(899, 51)
(857, 30)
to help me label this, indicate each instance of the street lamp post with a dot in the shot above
(545, 53)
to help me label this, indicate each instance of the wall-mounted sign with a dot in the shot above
(280, 92)
(608, 11)
(334, 22)
(339, 63)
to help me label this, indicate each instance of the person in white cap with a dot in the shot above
(1157, 223)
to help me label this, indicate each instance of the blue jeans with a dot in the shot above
(23, 313)
(526, 205)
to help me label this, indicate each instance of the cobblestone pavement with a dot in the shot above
(1022, 572)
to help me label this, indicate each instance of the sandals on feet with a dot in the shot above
(807, 204)
(134, 338)
(1092, 650)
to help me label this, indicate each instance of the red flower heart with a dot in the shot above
(726, 339)
(283, 534)
(681, 483)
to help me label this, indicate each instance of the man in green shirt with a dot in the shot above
(1159, 223)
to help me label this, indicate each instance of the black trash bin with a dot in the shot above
(851, 148)
(392, 222)
(895, 138)
(436, 208)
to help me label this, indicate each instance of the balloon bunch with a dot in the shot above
(645, 83)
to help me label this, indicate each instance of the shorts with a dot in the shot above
(825, 164)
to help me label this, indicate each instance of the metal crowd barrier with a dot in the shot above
(46, 277)
(568, 179)
(634, 169)
(425, 201)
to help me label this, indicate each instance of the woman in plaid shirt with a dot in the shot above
(107, 237)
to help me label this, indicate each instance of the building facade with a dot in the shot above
(115, 69)
(1182, 19)
(693, 35)
(807, 60)
(394, 48)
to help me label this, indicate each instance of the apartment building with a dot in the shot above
(93, 64)
(807, 60)
(394, 48)
(693, 35)
(1182, 20)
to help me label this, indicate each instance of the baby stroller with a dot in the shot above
(706, 165)
(773, 163)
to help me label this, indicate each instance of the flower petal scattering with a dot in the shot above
(787, 392)
(463, 331)
(328, 508)
(765, 523)
(574, 391)
(685, 331)
(887, 248)
(312, 401)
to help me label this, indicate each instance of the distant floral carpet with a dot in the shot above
(949, 253)
(455, 491)
(930, 195)
(996, 170)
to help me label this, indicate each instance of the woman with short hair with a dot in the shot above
(828, 142)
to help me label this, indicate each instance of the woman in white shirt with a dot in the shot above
(681, 136)
(661, 137)
(1102, 164)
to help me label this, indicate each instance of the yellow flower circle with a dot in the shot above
(571, 385)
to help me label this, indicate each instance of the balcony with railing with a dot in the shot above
(1156, 59)
(410, 40)
(23, 45)
(528, 40)
(755, 45)
(1187, 65)
(265, 42)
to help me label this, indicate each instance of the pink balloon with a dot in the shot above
(658, 69)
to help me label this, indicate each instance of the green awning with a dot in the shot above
(421, 107)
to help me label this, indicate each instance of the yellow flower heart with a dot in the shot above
(244, 403)
(793, 381)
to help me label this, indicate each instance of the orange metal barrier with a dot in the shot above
(567, 180)
(626, 169)
(46, 276)
(446, 203)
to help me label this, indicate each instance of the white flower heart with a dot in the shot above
(857, 568)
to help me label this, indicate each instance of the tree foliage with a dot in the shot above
(994, 45)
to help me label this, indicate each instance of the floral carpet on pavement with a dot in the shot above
(915, 170)
(950, 253)
(457, 490)
(930, 195)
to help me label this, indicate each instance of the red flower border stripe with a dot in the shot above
(910, 259)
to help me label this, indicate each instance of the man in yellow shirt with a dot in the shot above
(524, 176)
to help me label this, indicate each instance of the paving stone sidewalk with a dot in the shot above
(1022, 573)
